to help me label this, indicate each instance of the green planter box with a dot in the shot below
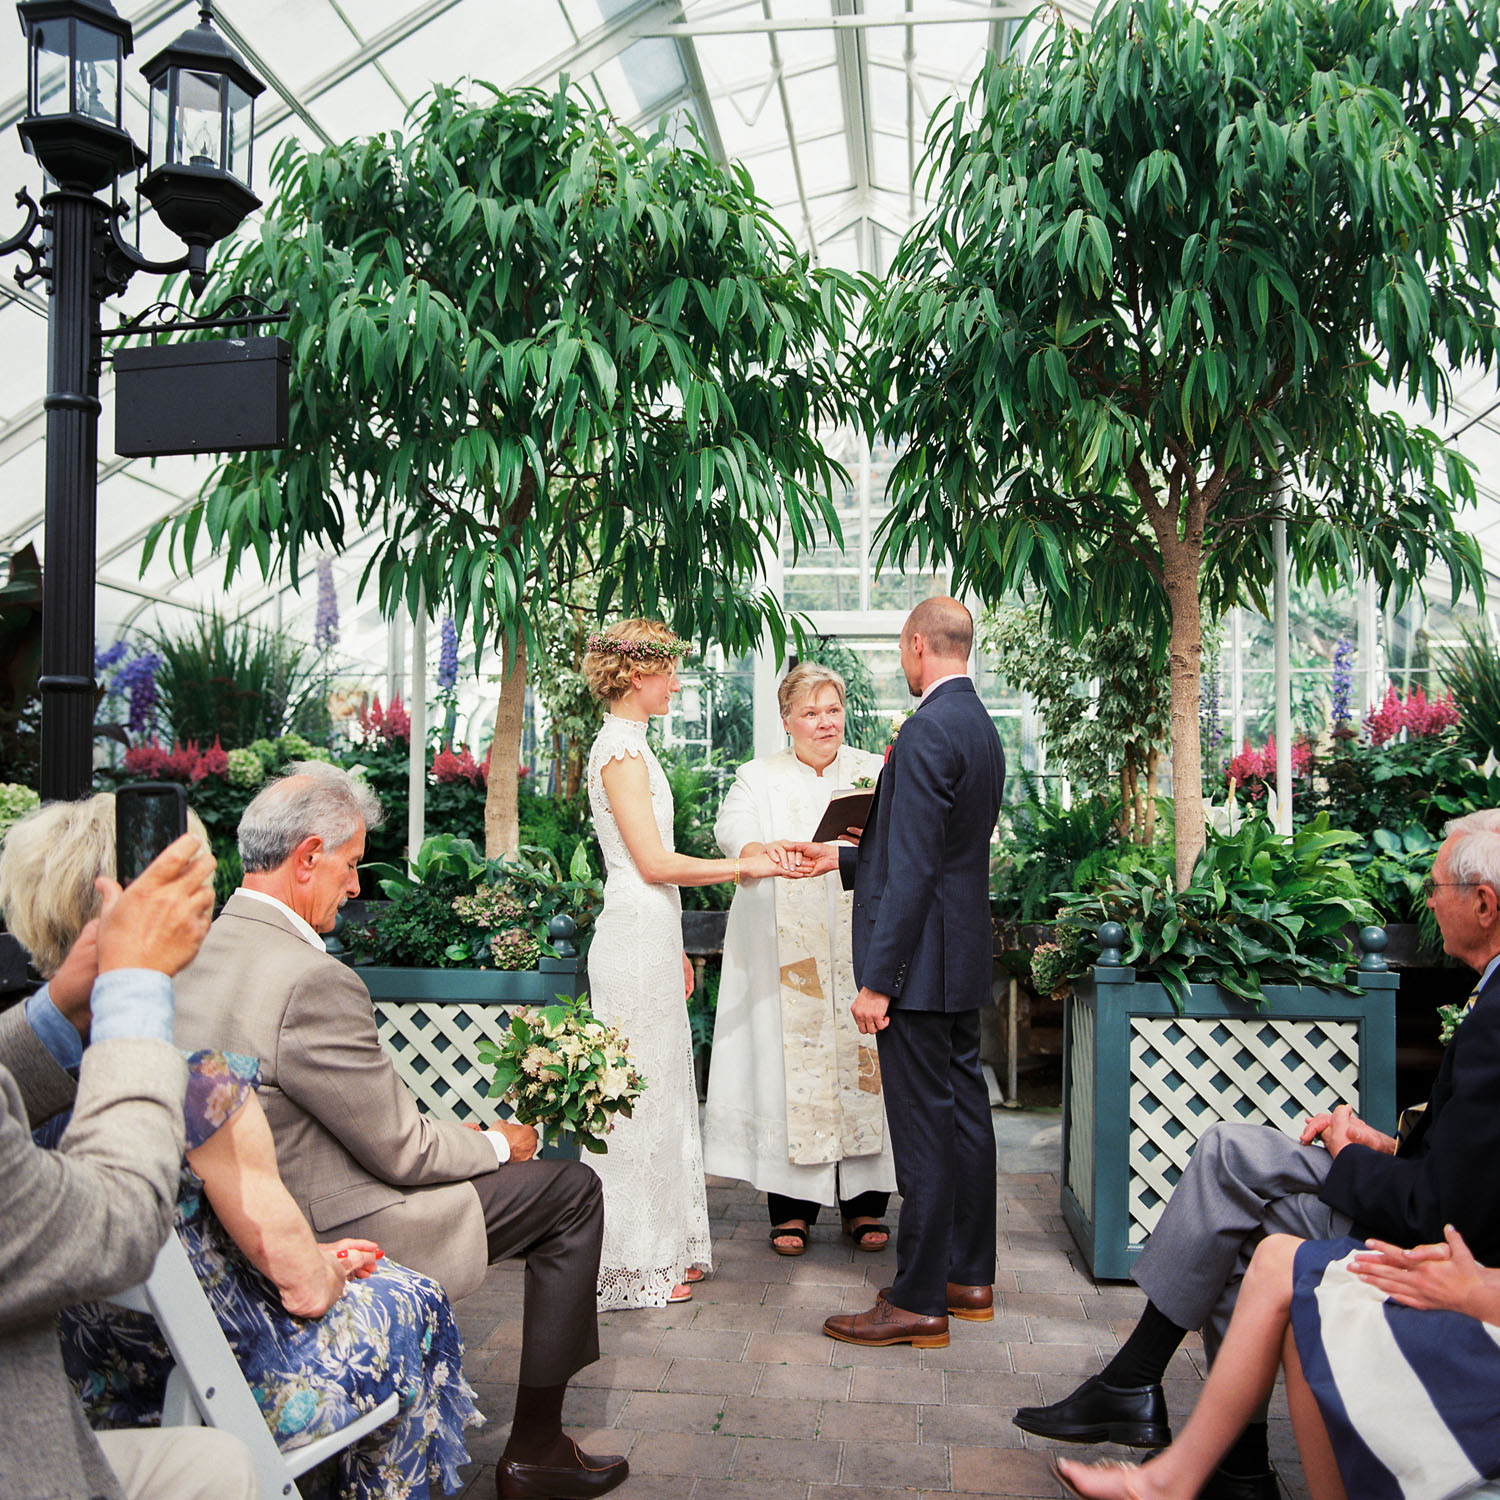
(1141, 1083)
(431, 1021)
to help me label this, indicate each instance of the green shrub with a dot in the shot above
(1260, 909)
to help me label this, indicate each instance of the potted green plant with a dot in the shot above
(1230, 999)
(460, 942)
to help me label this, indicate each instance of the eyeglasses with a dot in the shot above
(1430, 885)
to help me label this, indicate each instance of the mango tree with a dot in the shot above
(1177, 269)
(530, 348)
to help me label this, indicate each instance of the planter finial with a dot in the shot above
(1372, 941)
(560, 931)
(1111, 935)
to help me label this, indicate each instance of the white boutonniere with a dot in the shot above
(897, 720)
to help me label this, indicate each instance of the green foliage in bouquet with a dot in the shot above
(562, 1070)
(1258, 909)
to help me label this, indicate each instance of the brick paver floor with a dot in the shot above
(739, 1394)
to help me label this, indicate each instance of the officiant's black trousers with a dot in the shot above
(938, 1111)
(784, 1210)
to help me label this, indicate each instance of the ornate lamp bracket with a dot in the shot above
(21, 241)
(122, 260)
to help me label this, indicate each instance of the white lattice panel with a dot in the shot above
(1187, 1074)
(1080, 1163)
(433, 1048)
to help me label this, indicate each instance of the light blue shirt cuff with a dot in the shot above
(132, 1003)
(53, 1031)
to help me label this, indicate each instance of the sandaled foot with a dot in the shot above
(868, 1234)
(1107, 1480)
(693, 1275)
(789, 1239)
(681, 1293)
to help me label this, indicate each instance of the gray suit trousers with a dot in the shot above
(1242, 1183)
(551, 1213)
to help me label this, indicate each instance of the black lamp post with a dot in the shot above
(202, 119)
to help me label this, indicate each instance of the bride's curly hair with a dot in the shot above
(625, 648)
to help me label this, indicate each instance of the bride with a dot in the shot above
(655, 1207)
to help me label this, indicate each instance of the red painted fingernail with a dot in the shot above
(343, 1255)
(380, 1255)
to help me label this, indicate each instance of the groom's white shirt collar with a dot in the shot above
(305, 929)
(932, 686)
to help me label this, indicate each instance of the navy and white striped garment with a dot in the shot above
(1411, 1399)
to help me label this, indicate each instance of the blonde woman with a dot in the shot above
(794, 1100)
(655, 1209)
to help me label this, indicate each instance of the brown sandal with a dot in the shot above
(789, 1231)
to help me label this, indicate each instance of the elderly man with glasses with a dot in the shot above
(1244, 1182)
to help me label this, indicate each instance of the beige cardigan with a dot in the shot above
(75, 1224)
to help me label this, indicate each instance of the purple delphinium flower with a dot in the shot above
(326, 627)
(447, 672)
(1343, 681)
(111, 656)
(138, 678)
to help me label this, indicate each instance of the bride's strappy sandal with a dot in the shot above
(1106, 1463)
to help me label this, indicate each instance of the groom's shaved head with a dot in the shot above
(946, 626)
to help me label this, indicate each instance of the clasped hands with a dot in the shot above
(1342, 1127)
(801, 861)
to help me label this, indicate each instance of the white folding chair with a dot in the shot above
(207, 1387)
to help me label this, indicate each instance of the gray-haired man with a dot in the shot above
(353, 1148)
(1246, 1181)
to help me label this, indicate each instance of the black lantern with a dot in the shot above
(75, 53)
(202, 128)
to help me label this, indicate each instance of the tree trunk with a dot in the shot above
(502, 823)
(1181, 561)
(575, 770)
(1152, 758)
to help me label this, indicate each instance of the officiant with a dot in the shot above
(794, 1099)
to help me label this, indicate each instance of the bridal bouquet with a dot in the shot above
(565, 1072)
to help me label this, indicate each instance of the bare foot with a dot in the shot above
(681, 1293)
(693, 1275)
(790, 1241)
(1107, 1480)
(870, 1241)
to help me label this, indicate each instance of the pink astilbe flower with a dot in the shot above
(1416, 715)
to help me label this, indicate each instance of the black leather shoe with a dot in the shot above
(585, 1477)
(1099, 1413)
(1225, 1486)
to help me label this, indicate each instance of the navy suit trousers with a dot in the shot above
(943, 1140)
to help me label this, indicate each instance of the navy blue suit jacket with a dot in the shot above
(921, 873)
(1447, 1171)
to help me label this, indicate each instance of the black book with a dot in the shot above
(847, 810)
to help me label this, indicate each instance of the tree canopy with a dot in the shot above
(1177, 269)
(531, 348)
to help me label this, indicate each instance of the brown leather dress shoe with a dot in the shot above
(974, 1304)
(884, 1324)
(590, 1474)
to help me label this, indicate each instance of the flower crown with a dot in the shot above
(639, 650)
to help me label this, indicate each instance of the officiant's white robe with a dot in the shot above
(745, 1128)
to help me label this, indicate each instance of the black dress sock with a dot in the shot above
(1250, 1454)
(1144, 1356)
(537, 1425)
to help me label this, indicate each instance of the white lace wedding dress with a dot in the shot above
(655, 1206)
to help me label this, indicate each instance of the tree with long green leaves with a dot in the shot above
(531, 348)
(1176, 269)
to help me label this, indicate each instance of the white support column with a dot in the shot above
(395, 657)
(1283, 679)
(769, 735)
(416, 775)
(1237, 678)
(1367, 647)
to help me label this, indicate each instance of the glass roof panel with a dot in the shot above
(716, 61)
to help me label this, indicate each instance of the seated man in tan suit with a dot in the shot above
(354, 1150)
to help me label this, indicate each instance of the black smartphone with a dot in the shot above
(149, 815)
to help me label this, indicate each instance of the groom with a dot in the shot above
(922, 946)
